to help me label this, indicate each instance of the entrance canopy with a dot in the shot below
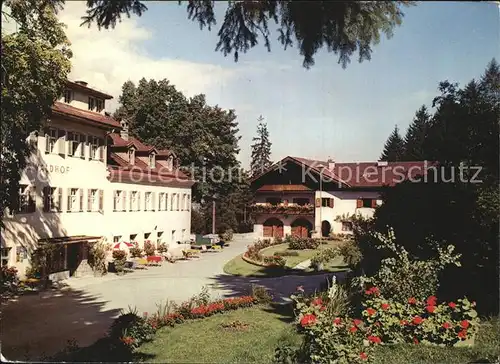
(70, 239)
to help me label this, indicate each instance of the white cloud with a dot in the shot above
(107, 58)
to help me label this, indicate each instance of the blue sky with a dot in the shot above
(328, 111)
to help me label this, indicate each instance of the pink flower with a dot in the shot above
(363, 356)
(431, 309)
(300, 288)
(317, 301)
(452, 305)
(337, 321)
(385, 306)
(446, 325)
(412, 300)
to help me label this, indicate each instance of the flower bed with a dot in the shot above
(296, 243)
(253, 255)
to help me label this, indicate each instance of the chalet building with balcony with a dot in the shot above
(312, 198)
(88, 179)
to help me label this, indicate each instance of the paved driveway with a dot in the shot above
(41, 324)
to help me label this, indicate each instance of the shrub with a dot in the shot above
(131, 329)
(275, 260)
(419, 321)
(351, 253)
(149, 248)
(296, 243)
(401, 277)
(8, 279)
(323, 257)
(162, 248)
(253, 251)
(227, 235)
(260, 293)
(97, 256)
(286, 253)
(120, 257)
(136, 251)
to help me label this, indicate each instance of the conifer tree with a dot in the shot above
(261, 149)
(415, 136)
(394, 147)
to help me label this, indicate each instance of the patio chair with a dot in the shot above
(142, 263)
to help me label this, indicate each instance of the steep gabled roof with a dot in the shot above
(357, 174)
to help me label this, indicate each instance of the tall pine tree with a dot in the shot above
(261, 149)
(415, 136)
(394, 147)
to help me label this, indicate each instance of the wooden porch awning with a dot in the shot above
(281, 188)
(70, 239)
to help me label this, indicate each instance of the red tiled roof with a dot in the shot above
(135, 174)
(360, 174)
(84, 115)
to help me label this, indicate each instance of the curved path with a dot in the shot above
(41, 324)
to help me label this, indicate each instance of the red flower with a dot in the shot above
(385, 306)
(473, 303)
(415, 340)
(446, 325)
(353, 329)
(374, 339)
(308, 320)
(357, 322)
(322, 308)
(363, 356)
(375, 291)
(403, 322)
(464, 324)
(462, 334)
(452, 305)
(431, 301)
(417, 320)
(370, 311)
(431, 309)
(337, 321)
(377, 323)
(412, 300)
(317, 301)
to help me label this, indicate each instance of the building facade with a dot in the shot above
(311, 198)
(88, 179)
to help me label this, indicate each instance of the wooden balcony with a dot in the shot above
(283, 209)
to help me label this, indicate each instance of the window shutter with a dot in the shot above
(374, 203)
(124, 200)
(101, 150)
(89, 200)
(81, 198)
(68, 197)
(331, 202)
(69, 144)
(61, 141)
(32, 199)
(131, 206)
(318, 202)
(59, 199)
(138, 200)
(153, 203)
(46, 192)
(359, 203)
(47, 143)
(101, 200)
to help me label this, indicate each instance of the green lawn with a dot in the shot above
(237, 266)
(207, 341)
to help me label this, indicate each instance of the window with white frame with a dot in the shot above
(133, 201)
(159, 238)
(72, 199)
(99, 105)
(166, 202)
(92, 103)
(117, 238)
(74, 143)
(172, 201)
(68, 96)
(27, 199)
(177, 201)
(92, 195)
(50, 140)
(118, 201)
(188, 202)
(52, 199)
(161, 203)
(82, 198)
(147, 201)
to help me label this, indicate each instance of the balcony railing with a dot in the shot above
(283, 209)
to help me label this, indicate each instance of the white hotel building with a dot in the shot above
(89, 179)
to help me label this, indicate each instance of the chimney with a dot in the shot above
(83, 83)
(382, 163)
(331, 164)
(124, 131)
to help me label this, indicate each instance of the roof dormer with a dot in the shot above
(152, 160)
(131, 155)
